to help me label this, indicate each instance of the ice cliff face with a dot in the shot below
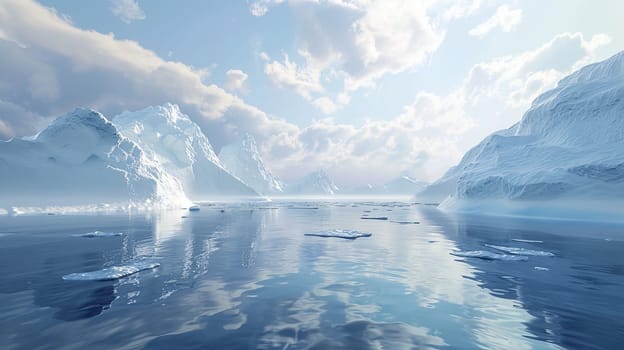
(316, 183)
(81, 158)
(568, 145)
(179, 146)
(243, 160)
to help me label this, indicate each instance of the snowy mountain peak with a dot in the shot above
(174, 141)
(243, 159)
(79, 135)
(316, 183)
(178, 136)
(609, 69)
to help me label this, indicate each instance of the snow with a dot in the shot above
(520, 251)
(81, 159)
(526, 240)
(96, 234)
(316, 183)
(112, 273)
(178, 146)
(485, 255)
(338, 233)
(242, 159)
(567, 149)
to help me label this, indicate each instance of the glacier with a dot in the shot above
(563, 159)
(178, 145)
(81, 158)
(242, 159)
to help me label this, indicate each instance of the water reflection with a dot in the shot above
(245, 276)
(575, 299)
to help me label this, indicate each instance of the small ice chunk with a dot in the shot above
(407, 222)
(520, 251)
(374, 218)
(112, 273)
(338, 233)
(539, 268)
(194, 208)
(526, 240)
(96, 234)
(485, 255)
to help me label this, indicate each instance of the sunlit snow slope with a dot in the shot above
(569, 146)
(181, 148)
(243, 160)
(81, 158)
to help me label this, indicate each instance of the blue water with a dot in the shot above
(244, 276)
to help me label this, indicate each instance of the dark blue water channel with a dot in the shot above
(244, 276)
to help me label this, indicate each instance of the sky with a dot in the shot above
(367, 90)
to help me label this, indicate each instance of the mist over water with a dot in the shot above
(244, 276)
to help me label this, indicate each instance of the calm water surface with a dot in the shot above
(244, 276)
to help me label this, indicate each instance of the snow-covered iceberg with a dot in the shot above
(317, 183)
(339, 233)
(485, 255)
(81, 158)
(178, 145)
(565, 157)
(112, 273)
(242, 159)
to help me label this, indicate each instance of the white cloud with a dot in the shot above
(127, 10)
(504, 18)
(354, 43)
(58, 66)
(325, 105)
(303, 80)
(235, 79)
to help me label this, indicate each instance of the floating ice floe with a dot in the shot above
(539, 268)
(485, 255)
(111, 273)
(407, 222)
(194, 208)
(520, 251)
(346, 234)
(374, 218)
(526, 240)
(96, 234)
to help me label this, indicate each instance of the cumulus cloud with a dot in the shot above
(48, 67)
(353, 43)
(504, 18)
(235, 79)
(127, 10)
(56, 67)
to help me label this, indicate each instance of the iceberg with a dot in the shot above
(563, 159)
(112, 273)
(485, 255)
(81, 158)
(526, 240)
(520, 251)
(180, 148)
(242, 159)
(338, 233)
(96, 234)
